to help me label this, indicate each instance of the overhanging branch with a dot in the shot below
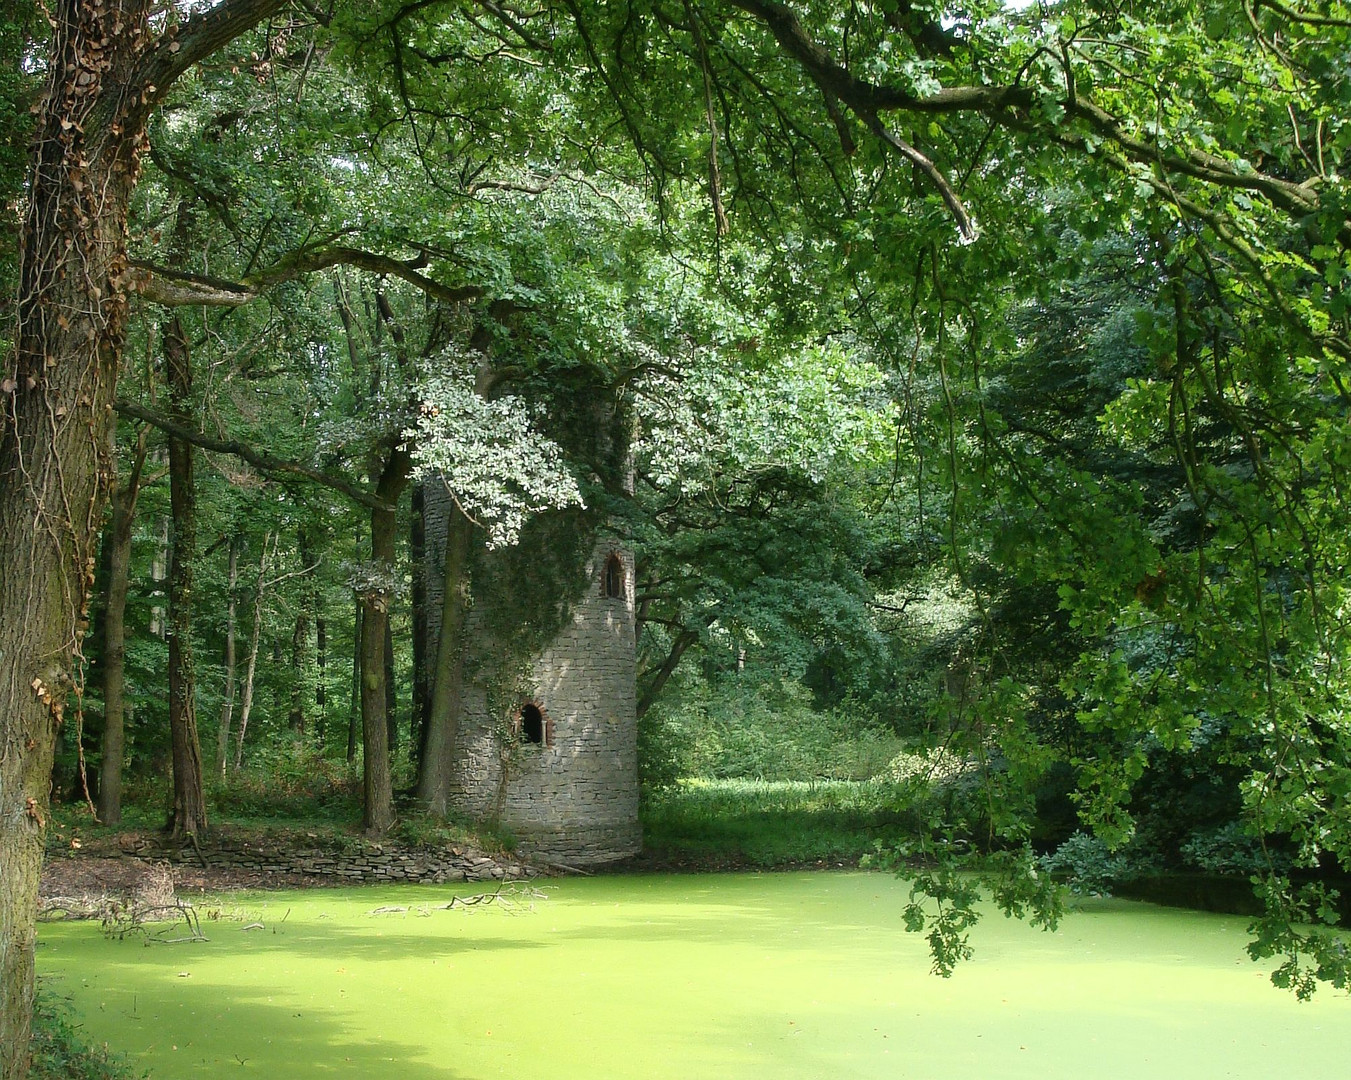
(174, 288)
(265, 463)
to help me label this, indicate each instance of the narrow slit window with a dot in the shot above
(532, 724)
(614, 578)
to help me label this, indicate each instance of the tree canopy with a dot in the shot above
(1041, 306)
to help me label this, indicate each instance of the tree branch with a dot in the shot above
(683, 641)
(262, 462)
(173, 288)
(201, 36)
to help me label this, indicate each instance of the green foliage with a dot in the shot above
(1232, 848)
(772, 823)
(1295, 926)
(286, 779)
(737, 728)
(424, 830)
(59, 1050)
(1088, 866)
(1067, 501)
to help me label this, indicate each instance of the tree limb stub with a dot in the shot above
(263, 462)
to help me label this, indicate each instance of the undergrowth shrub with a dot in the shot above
(1232, 849)
(762, 731)
(1088, 865)
(60, 1053)
(289, 779)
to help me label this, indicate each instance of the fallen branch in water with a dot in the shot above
(508, 901)
(122, 917)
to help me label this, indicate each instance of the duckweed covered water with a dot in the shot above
(739, 976)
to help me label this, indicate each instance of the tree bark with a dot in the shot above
(376, 597)
(188, 816)
(117, 541)
(251, 666)
(227, 709)
(354, 705)
(682, 642)
(421, 701)
(300, 637)
(321, 666)
(391, 691)
(106, 73)
(300, 640)
(438, 758)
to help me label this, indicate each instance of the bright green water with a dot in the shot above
(740, 975)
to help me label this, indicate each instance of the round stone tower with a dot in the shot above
(547, 743)
(558, 765)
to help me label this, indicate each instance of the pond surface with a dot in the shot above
(736, 975)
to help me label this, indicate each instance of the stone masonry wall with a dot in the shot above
(368, 862)
(573, 799)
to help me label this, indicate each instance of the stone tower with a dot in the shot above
(548, 745)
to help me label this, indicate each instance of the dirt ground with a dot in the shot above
(92, 877)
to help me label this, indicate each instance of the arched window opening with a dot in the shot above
(614, 578)
(532, 724)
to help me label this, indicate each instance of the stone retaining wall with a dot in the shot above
(368, 863)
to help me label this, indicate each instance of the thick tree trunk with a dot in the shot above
(227, 709)
(105, 74)
(188, 816)
(54, 468)
(375, 604)
(438, 758)
(117, 550)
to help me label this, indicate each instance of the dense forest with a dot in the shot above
(982, 371)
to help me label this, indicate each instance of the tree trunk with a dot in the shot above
(188, 816)
(391, 690)
(438, 758)
(354, 706)
(683, 641)
(251, 665)
(227, 709)
(421, 701)
(117, 546)
(54, 467)
(321, 667)
(105, 73)
(300, 642)
(375, 604)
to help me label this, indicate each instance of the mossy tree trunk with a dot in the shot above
(106, 72)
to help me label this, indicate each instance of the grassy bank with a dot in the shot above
(771, 823)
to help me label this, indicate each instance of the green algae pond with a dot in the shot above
(722, 975)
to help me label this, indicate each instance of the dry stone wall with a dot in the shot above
(366, 863)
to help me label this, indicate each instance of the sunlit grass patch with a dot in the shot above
(774, 822)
